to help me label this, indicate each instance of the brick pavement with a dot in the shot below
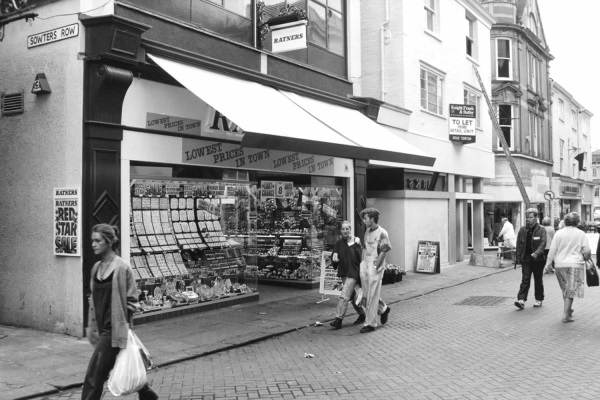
(432, 348)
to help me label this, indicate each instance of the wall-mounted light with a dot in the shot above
(41, 85)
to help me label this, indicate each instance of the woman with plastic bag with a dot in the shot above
(112, 303)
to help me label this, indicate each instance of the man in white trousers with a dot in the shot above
(375, 247)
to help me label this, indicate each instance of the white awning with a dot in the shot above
(271, 119)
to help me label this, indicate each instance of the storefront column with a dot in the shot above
(453, 226)
(478, 224)
(462, 229)
(360, 199)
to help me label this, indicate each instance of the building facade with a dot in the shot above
(572, 174)
(225, 149)
(521, 96)
(415, 64)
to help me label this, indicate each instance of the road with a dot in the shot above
(464, 342)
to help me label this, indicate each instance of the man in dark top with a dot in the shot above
(531, 243)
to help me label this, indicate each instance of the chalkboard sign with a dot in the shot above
(428, 257)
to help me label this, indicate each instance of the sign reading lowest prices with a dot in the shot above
(462, 123)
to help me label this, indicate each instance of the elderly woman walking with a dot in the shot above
(569, 251)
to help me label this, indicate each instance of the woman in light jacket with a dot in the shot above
(569, 250)
(112, 303)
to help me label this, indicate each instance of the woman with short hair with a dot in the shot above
(569, 251)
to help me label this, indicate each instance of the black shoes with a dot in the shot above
(367, 329)
(384, 316)
(520, 304)
(146, 393)
(336, 323)
(360, 319)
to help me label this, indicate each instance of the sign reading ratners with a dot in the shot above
(67, 207)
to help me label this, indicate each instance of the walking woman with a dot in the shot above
(347, 253)
(569, 250)
(112, 303)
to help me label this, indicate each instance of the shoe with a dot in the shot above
(359, 320)
(366, 329)
(568, 319)
(336, 323)
(538, 303)
(520, 304)
(146, 393)
(384, 315)
(571, 312)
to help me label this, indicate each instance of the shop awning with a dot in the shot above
(275, 120)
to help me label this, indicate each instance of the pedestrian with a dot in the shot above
(546, 223)
(375, 246)
(569, 251)
(508, 233)
(113, 301)
(347, 254)
(531, 243)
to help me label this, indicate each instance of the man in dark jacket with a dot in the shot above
(531, 243)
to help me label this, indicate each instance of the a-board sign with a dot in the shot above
(330, 283)
(428, 257)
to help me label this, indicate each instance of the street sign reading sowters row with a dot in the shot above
(461, 124)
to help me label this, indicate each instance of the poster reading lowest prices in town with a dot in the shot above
(67, 207)
(330, 283)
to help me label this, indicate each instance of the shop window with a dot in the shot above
(199, 234)
(493, 214)
(432, 98)
(505, 120)
(327, 26)
(503, 59)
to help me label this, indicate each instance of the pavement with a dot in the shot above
(35, 364)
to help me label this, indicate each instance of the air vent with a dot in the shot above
(13, 103)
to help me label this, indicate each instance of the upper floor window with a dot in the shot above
(595, 173)
(574, 119)
(534, 132)
(534, 72)
(473, 98)
(585, 126)
(432, 98)
(597, 192)
(533, 24)
(327, 26)
(503, 59)
(505, 120)
(562, 155)
(471, 36)
(241, 7)
(431, 15)
(561, 109)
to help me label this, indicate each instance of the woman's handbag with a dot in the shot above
(591, 273)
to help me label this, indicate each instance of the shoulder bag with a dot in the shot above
(591, 273)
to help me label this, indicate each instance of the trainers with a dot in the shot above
(366, 329)
(520, 304)
(360, 319)
(336, 323)
(384, 315)
(538, 303)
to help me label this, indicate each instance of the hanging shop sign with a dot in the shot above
(330, 283)
(232, 155)
(428, 257)
(569, 190)
(288, 37)
(461, 124)
(54, 35)
(67, 207)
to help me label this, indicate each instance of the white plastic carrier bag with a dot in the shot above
(129, 373)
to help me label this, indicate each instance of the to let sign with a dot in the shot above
(288, 37)
(462, 123)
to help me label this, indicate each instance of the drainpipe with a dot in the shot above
(385, 37)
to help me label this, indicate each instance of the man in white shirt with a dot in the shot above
(508, 233)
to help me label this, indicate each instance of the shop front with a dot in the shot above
(211, 218)
(574, 196)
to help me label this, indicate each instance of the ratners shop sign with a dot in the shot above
(288, 37)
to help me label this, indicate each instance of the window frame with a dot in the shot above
(471, 36)
(574, 120)
(534, 69)
(434, 12)
(511, 147)
(328, 12)
(439, 93)
(468, 91)
(562, 154)
(561, 110)
(510, 60)
(534, 131)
